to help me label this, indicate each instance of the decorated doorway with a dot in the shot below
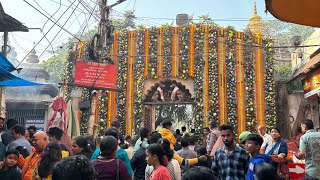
(168, 99)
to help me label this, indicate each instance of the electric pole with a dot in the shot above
(105, 29)
(103, 25)
(104, 40)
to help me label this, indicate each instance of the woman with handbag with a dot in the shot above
(278, 150)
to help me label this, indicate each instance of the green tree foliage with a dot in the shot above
(55, 67)
(283, 71)
(206, 20)
(285, 31)
(176, 112)
(125, 22)
(282, 32)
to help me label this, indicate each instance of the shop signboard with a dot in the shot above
(311, 84)
(38, 123)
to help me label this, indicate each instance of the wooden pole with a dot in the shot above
(2, 89)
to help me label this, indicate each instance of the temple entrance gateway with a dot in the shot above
(168, 99)
(229, 75)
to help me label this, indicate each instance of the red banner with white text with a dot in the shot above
(94, 74)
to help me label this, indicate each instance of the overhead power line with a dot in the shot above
(53, 37)
(79, 10)
(48, 21)
(46, 32)
(59, 31)
(55, 22)
(87, 20)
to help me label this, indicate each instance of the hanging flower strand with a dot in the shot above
(271, 117)
(122, 77)
(139, 82)
(198, 76)
(167, 51)
(153, 36)
(249, 81)
(184, 52)
(213, 74)
(230, 76)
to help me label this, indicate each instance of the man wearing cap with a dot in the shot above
(242, 138)
(213, 136)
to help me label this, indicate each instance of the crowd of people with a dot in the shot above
(219, 154)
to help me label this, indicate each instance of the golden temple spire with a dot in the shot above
(255, 21)
(255, 8)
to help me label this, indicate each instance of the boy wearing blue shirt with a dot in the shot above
(252, 146)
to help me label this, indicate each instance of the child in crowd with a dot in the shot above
(203, 151)
(9, 171)
(252, 145)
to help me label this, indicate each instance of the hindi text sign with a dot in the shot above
(95, 74)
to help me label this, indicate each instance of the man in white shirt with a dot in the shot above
(309, 149)
(266, 137)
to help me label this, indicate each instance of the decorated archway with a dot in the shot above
(168, 99)
(232, 73)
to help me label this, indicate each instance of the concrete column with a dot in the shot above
(282, 108)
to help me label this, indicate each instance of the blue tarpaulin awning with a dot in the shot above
(6, 64)
(7, 79)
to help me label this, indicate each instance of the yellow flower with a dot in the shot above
(230, 34)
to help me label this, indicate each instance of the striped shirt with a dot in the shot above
(230, 167)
